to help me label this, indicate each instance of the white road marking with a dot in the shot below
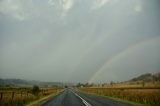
(85, 102)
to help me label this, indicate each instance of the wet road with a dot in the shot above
(71, 97)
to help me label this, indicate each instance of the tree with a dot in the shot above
(111, 83)
(79, 85)
(35, 89)
(66, 86)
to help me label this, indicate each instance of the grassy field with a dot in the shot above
(19, 96)
(149, 95)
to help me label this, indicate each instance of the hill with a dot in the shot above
(21, 82)
(148, 77)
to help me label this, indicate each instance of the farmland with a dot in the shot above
(148, 95)
(19, 96)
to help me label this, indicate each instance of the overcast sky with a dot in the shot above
(79, 40)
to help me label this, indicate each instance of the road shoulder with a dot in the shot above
(43, 100)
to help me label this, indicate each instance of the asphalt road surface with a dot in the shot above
(71, 97)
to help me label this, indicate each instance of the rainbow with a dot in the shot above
(119, 54)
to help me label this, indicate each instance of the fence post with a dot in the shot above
(1, 96)
(12, 95)
(27, 93)
(21, 93)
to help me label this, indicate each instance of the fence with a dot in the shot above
(19, 98)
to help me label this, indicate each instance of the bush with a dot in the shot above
(35, 90)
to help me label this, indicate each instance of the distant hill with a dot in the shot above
(148, 77)
(21, 82)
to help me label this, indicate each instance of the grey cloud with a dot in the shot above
(47, 45)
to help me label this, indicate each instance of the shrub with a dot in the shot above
(35, 90)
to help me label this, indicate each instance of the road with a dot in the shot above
(71, 97)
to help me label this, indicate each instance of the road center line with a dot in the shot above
(85, 102)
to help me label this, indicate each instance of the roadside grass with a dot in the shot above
(42, 100)
(118, 99)
(125, 101)
(137, 97)
(137, 84)
(21, 96)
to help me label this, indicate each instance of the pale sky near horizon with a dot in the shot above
(79, 40)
